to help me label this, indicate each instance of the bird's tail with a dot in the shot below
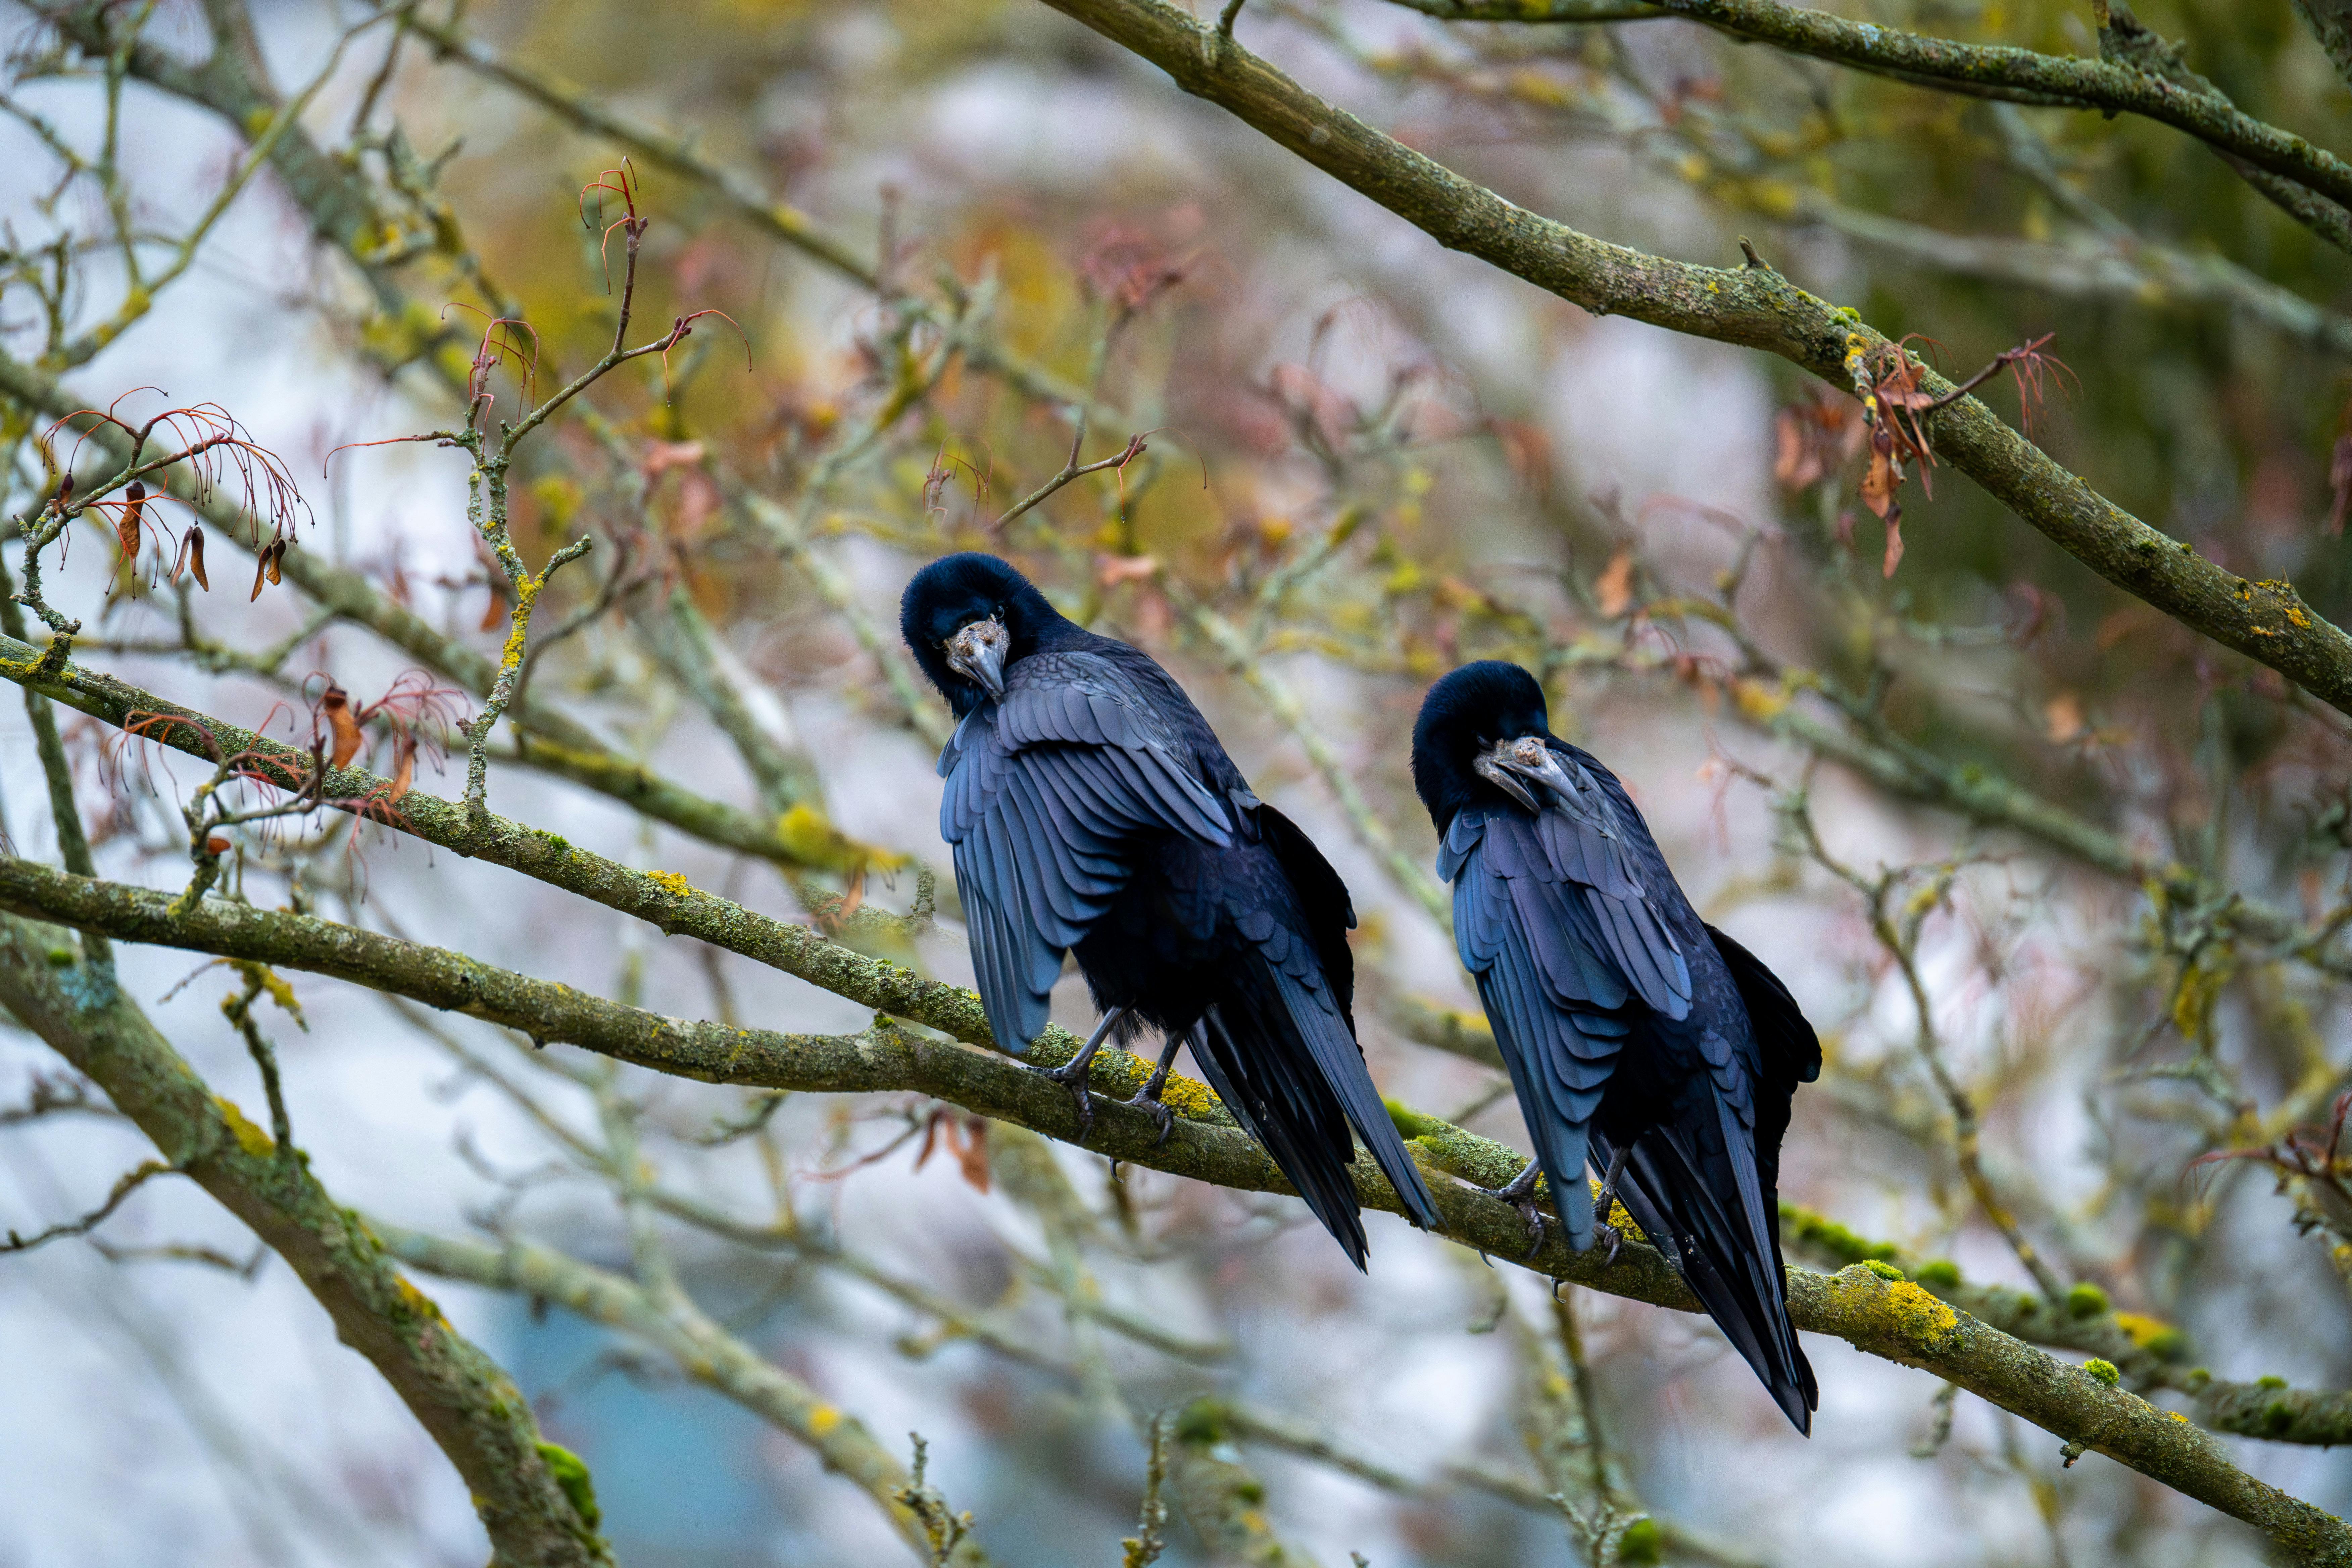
(1279, 1056)
(1688, 1199)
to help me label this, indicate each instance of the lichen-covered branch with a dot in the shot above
(471, 1408)
(1890, 1318)
(1753, 305)
(702, 1348)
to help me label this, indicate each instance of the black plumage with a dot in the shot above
(1636, 1036)
(1092, 811)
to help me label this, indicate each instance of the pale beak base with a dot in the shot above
(977, 653)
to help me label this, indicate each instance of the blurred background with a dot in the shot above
(1366, 459)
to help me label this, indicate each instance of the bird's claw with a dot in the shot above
(1520, 1194)
(1605, 1206)
(1071, 1075)
(1150, 1104)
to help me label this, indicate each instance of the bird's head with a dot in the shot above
(967, 616)
(1484, 737)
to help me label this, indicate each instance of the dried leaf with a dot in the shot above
(1893, 539)
(270, 558)
(217, 845)
(1112, 570)
(1881, 480)
(336, 705)
(1614, 589)
(128, 529)
(260, 575)
(403, 767)
(192, 546)
(2061, 717)
(971, 1152)
(1794, 462)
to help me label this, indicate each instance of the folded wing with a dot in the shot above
(1049, 793)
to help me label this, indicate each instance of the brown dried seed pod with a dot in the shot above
(336, 705)
(194, 546)
(127, 528)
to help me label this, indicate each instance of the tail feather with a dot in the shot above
(1310, 1148)
(1735, 1273)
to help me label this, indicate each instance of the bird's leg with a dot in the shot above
(1072, 1074)
(1603, 1206)
(1520, 1194)
(1146, 1098)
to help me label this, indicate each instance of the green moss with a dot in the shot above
(2103, 1370)
(1939, 1274)
(1643, 1542)
(1883, 1269)
(61, 957)
(2086, 1301)
(571, 1474)
(2278, 1416)
(1202, 1423)
(1804, 1225)
(2267, 1380)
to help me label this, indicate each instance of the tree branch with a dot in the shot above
(472, 1410)
(1752, 306)
(1888, 1317)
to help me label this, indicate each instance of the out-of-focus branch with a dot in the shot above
(471, 1408)
(702, 1349)
(2132, 81)
(1372, 832)
(1888, 1317)
(65, 814)
(1754, 306)
(545, 737)
(2331, 22)
(737, 190)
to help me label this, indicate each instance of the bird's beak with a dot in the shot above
(1513, 765)
(977, 653)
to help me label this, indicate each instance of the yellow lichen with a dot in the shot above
(250, 1138)
(417, 1302)
(670, 882)
(823, 1420)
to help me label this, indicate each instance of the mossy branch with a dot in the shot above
(1890, 1318)
(1753, 305)
(472, 1408)
(701, 1347)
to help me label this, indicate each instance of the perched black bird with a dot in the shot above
(1635, 1033)
(1091, 808)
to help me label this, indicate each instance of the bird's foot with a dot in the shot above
(1150, 1104)
(1520, 1194)
(1071, 1075)
(1602, 1231)
(1146, 1098)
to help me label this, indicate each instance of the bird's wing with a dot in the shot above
(1554, 919)
(1048, 792)
(1789, 1052)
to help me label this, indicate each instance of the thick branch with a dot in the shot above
(471, 1408)
(1752, 306)
(704, 1349)
(1893, 1319)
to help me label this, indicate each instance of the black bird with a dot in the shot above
(1635, 1033)
(1091, 808)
